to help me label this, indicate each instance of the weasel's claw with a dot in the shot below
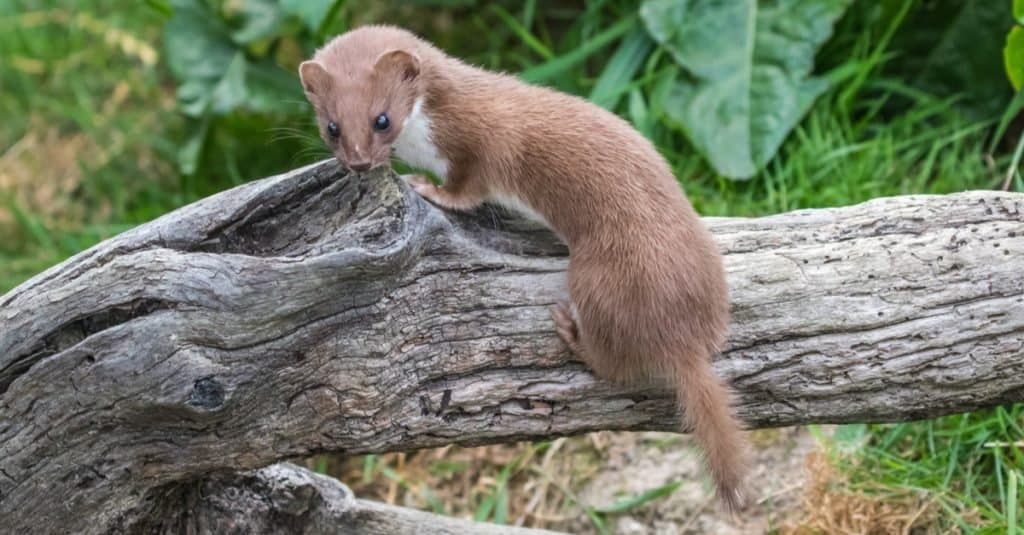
(421, 184)
(417, 180)
(426, 189)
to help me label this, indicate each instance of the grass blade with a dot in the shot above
(501, 506)
(1012, 109)
(325, 24)
(369, 462)
(32, 225)
(561, 64)
(501, 491)
(875, 59)
(639, 115)
(1012, 504)
(1014, 164)
(524, 34)
(161, 7)
(618, 73)
(529, 11)
(321, 465)
(597, 520)
(484, 511)
(435, 503)
(633, 502)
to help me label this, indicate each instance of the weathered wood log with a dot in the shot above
(317, 311)
(284, 498)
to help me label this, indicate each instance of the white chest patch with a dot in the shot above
(415, 145)
(517, 205)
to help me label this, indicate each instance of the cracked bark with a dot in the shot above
(316, 311)
(284, 498)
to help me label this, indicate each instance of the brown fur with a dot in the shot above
(645, 277)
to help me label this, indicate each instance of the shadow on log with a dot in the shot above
(317, 311)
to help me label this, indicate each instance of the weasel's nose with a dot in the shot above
(359, 167)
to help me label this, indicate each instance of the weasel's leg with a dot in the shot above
(458, 193)
(564, 315)
(567, 324)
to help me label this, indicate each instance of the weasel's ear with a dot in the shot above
(315, 80)
(399, 63)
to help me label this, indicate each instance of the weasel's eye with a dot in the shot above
(333, 130)
(381, 123)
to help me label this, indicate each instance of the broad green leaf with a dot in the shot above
(198, 53)
(216, 77)
(272, 89)
(253, 20)
(310, 12)
(191, 151)
(230, 92)
(1013, 57)
(1018, 11)
(748, 70)
(954, 49)
(196, 44)
(194, 97)
(443, 3)
(161, 7)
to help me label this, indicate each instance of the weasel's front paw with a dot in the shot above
(423, 186)
(442, 196)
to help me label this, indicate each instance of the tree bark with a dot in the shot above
(318, 311)
(284, 498)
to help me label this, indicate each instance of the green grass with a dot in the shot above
(970, 465)
(83, 75)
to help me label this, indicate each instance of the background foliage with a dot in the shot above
(117, 111)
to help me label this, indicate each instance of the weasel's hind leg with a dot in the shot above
(567, 324)
(567, 327)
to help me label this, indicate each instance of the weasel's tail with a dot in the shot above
(705, 404)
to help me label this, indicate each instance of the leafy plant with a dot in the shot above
(952, 48)
(1013, 59)
(1013, 52)
(969, 465)
(747, 72)
(227, 57)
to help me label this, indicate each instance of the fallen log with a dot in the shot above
(317, 311)
(284, 498)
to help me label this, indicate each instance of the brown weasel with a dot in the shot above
(647, 286)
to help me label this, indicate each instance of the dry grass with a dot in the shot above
(830, 506)
(548, 485)
(536, 485)
(40, 170)
(524, 484)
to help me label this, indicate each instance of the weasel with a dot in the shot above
(648, 295)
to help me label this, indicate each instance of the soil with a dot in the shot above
(638, 462)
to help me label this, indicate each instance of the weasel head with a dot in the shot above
(362, 100)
